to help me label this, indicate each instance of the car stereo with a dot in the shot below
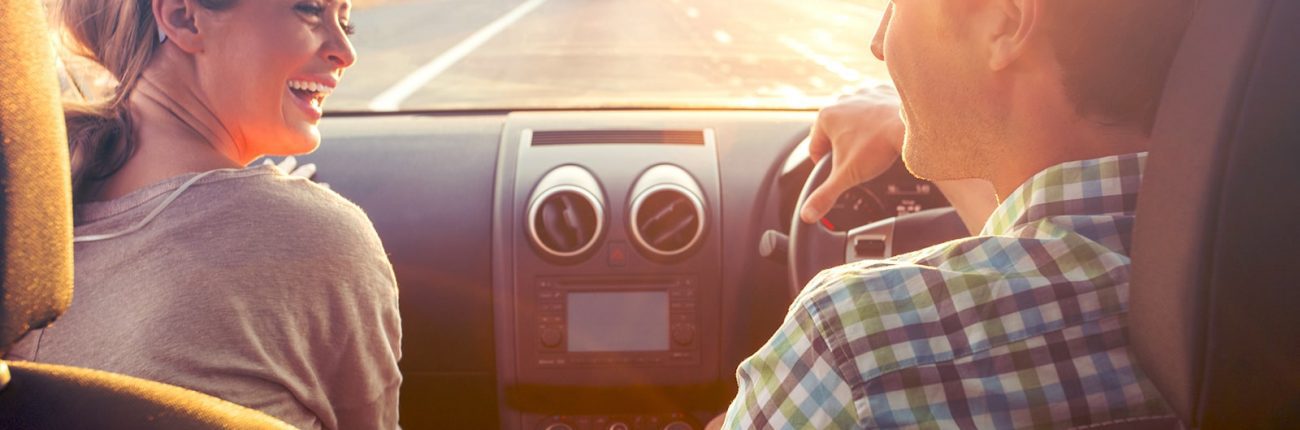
(592, 323)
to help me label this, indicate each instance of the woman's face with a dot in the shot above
(267, 67)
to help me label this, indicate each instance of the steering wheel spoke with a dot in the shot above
(814, 247)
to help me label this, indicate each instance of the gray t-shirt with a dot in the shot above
(253, 286)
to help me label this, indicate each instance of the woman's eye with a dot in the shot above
(317, 12)
(312, 9)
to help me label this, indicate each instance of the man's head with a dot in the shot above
(979, 78)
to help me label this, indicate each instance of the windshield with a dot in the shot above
(577, 54)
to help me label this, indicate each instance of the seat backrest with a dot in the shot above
(1214, 311)
(36, 238)
(36, 262)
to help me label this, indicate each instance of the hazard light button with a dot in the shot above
(618, 254)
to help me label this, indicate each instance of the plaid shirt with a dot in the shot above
(1022, 326)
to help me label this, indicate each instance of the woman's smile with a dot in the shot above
(309, 95)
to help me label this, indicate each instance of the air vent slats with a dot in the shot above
(670, 238)
(564, 229)
(664, 212)
(551, 223)
(668, 221)
(571, 219)
(565, 222)
(617, 137)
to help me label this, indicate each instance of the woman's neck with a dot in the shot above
(174, 132)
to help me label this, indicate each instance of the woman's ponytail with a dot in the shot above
(122, 36)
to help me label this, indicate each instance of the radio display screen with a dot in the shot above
(608, 322)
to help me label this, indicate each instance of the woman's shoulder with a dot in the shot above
(294, 197)
(278, 211)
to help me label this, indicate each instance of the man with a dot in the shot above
(1023, 325)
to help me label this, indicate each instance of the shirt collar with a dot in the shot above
(1100, 186)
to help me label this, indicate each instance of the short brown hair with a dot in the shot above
(1115, 55)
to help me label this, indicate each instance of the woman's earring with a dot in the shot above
(162, 37)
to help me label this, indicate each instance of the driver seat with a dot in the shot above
(36, 262)
(1214, 315)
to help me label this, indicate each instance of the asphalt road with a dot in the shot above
(457, 54)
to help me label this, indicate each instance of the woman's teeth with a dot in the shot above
(314, 87)
(315, 91)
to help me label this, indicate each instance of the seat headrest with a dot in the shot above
(1214, 314)
(36, 208)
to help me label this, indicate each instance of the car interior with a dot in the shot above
(609, 268)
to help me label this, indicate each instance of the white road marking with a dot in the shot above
(392, 98)
(692, 12)
(839, 69)
(722, 37)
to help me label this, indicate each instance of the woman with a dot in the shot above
(191, 268)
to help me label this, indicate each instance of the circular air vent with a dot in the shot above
(565, 221)
(667, 220)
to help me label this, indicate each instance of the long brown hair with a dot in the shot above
(122, 36)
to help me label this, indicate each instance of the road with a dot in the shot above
(454, 54)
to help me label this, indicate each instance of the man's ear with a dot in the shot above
(176, 19)
(1018, 24)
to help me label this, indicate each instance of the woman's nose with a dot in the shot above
(340, 52)
(878, 42)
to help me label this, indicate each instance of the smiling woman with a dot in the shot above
(249, 108)
(192, 269)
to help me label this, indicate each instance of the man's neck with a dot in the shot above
(1038, 145)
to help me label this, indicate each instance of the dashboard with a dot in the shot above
(897, 193)
(584, 270)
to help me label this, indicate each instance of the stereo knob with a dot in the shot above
(552, 337)
(678, 425)
(559, 426)
(683, 334)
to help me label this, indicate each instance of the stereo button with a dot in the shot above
(677, 425)
(683, 334)
(551, 337)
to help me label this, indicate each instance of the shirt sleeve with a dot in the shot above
(348, 302)
(792, 382)
(363, 387)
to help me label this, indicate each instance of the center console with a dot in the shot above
(606, 280)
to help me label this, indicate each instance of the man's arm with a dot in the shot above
(864, 132)
(792, 382)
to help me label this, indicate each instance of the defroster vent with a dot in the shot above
(615, 137)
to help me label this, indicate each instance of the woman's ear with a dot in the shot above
(176, 21)
(1017, 24)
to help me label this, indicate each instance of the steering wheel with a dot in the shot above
(813, 247)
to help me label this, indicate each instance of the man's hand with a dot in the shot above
(864, 133)
(290, 167)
